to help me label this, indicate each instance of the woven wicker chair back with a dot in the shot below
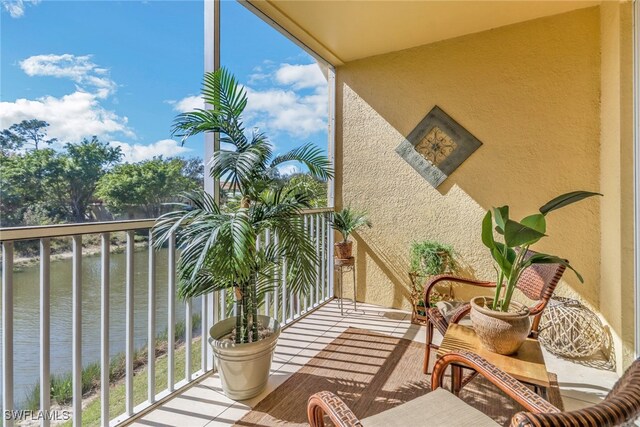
(620, 408)
(540, 280)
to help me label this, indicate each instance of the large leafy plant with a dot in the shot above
(511, 255)
(221, 248)
(349, 220)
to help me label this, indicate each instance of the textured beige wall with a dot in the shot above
(616, 294)
(530, 92)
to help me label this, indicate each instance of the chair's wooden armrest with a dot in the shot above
(505, 382)
(428, 286)
(328, 403)
(460, 312)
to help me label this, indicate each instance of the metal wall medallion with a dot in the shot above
(437, 146)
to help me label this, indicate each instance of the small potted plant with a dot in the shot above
(428, 258)
(218, 249)
(503, 325)
(346, 222)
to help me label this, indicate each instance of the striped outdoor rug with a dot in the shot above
(371, 372)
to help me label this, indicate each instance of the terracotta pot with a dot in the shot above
(343, 250)
(500, 332)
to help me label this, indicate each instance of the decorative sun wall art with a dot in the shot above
(437, 146)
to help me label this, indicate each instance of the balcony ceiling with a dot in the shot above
(347, 30)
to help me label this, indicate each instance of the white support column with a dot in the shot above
(211, 144)
(151, 324)
(76, 315)
(129, 316)
(7, 329)
(331, 133)
(331, 187)
(104, 331)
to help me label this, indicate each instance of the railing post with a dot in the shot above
(77, 331)
(129, 314)
(171, 312)
(104, 330)
(267, 297)
(188, 316)
(323, 255)
(7, 329)
(45, 328)
(151, 323)
(276, 290)
(330, 268)
(318, 235)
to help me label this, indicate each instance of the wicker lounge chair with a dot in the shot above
(537, 283)
(440, 408)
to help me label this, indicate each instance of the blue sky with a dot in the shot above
(122, 70)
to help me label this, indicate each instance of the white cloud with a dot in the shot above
(300, 76)
(16, 7)
(187, 104)
(138, 152)
(72, 117)
(76, 115)
(289, 169)
(296, 103)
(281, 110)
(79, 69)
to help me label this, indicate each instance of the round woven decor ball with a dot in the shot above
(569, 329)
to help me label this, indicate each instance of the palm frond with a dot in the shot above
(310, 156)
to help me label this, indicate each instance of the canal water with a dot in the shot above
(27, 311)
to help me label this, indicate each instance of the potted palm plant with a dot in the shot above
(346, 222)
(502, 324)
(221, 249)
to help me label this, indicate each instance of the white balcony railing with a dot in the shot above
(281, 304)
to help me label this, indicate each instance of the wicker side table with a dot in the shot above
(344, 266)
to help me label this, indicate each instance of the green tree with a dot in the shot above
(32, 132)
(194, 168)
(148, 184)
(30, 180)
(315, 189)
(84, 164)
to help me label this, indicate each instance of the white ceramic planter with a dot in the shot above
(243, 368)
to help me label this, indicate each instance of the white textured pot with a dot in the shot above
(243, 368)
(500, 332)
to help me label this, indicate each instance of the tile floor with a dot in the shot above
(204, 404)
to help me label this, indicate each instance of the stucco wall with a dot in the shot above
(616, 295)
(530, 92)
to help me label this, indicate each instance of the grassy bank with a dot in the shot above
(62, 390)
(117, 396)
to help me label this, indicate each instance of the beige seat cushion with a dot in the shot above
(448, 307)
(436, 409)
